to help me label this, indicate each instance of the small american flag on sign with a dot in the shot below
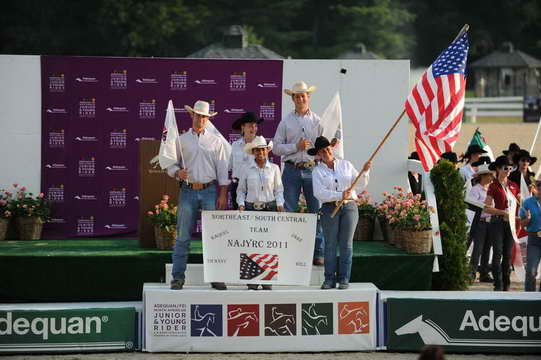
(436, 103)
(258, 267)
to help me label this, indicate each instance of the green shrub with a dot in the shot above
(449, 190)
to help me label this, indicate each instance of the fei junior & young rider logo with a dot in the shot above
(57, 83)
(119, 80)
(237, 81)
(87, 108)
(179, 80)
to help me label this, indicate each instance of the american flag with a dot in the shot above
(436, 103)
(258, 266)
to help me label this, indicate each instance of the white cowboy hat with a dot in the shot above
(299, 88)
(482, 169)
(200, 107)
(258, 142)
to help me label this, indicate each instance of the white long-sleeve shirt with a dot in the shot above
(479, 193)
(260, 184)
(239, 157)
(291, 129)
(329, 184)
(204, 156)
(467, 172)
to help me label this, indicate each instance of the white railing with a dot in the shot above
(508, 106)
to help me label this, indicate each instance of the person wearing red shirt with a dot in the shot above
(500, 194)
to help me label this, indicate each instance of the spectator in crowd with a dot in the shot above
(472, 155)
(500, 195)
(530, 215)
(415, 179)
(523, 160)
(450, 156)
(511, 151)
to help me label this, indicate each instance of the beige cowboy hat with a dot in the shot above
(299, 88)
(258, 142)
(200, 107)
(482, 170)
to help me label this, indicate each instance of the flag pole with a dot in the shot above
(535, 137)
(339, 204)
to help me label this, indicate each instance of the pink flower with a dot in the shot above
(3, 202)
(156, 207)
(165, 197)
(7, 213)
(150, 213)
(417, 217)
(15, 185)
(23, 188)
(8, 193)
(41, 195)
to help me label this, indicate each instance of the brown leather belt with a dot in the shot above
(303, 164)
(197, 185)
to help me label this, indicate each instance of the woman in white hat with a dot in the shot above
(331, 180)
(479, 230)
(260, 184)
(247, 125)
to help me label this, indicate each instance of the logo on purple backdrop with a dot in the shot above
(147, 109)
(55, 193)
(116, 226)
(117, 109)
(57, 221)
(56, 166)
(233, 137)
(267, 111)
(118, 139)
(212, 105)
(86, 79)
(146, 81)
(235, 111)
(87, 167)
(269, 85)
(119, 80)
(117, 198)
(86, 138)
(237, 81)
(56, 111)
(206, 82)
(85, 197)
(178, 110)
(85, 225)
(179, 80)
(206, 320)
(116, 168)
(57, 83)
(87, 108)
(144, 138)
(56, 139)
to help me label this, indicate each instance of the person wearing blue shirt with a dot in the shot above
(530, 215)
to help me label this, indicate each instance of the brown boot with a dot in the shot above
(266, 287)
(177, 284)
(252, 286)
(218, 286)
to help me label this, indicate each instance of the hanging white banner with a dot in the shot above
(255, 247)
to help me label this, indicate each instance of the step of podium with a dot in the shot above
(194, 275)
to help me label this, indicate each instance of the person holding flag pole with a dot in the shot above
(202, 170)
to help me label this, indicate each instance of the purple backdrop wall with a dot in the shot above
(96, 109)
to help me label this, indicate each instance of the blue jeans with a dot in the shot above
(294, 179)
(533, 255)
(339, 231)
(189, 203)
(481, 249)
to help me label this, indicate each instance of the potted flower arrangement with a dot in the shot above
(5, 212)
(367, 217)
(30, 212)
(389, 213)
(409, 217)
(164, 218)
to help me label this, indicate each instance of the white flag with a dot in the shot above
(168, 149)
(524, 190)
(331, 121)
(210, 126)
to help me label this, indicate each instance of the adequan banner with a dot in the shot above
(498, 326)
(98, 329)
(258, 247)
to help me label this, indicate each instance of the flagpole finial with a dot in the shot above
(464, 29)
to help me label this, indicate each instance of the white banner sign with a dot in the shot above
(255, 247)
(290, 320)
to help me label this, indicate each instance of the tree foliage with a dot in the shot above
(415, 29)
(449, 190)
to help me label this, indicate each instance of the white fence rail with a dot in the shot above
(509, 106)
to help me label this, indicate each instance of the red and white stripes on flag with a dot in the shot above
(436, 103)
(268, 263)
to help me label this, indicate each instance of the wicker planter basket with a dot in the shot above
(365, 229)
(417, 242)
(4, 223)
(165, 240)
(29, 227)
(385, 228)
(398, 238)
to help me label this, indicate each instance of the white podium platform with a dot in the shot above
(194, 275)
(286, 319)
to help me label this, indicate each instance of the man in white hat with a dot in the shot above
(296, 133)
(203, 172)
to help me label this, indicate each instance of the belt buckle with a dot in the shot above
(539, 234)
(259, 205)
(197, 186)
